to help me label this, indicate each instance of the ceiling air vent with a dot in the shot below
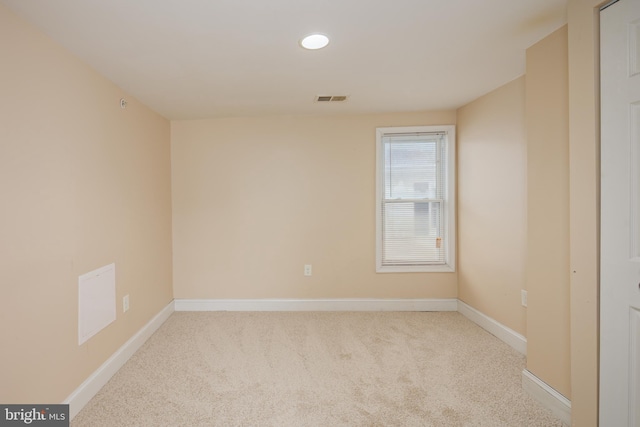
(331, 98)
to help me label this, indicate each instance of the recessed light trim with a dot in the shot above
(314, 41)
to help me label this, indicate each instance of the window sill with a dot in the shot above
(416, 269)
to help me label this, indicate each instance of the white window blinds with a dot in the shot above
(413, 195)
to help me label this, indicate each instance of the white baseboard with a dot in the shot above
(85, 392)
(559, 405)
(509, 336)
(316, 305)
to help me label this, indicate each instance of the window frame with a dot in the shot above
(449, 202)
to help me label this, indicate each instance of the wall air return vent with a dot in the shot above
(331, 98)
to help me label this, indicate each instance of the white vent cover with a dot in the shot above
(331, 98)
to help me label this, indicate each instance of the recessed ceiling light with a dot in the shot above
(314, 41)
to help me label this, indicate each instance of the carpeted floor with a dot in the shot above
(318, 369)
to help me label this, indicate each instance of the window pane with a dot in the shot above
(411, 169)
(412, 233)
(415, 215)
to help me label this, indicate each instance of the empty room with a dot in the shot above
(319, 213)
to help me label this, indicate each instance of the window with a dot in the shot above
(415, 199)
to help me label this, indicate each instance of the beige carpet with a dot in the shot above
(318, 369)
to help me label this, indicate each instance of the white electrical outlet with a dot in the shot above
(523, 296)
(307, 270)
(125, 304)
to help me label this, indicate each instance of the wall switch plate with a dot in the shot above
(307, 270)
(125, 304)
(523, 296)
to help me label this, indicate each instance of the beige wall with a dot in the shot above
(254, 199)
(83, 184)
(547, 271)
(492, 204)
(584, 145)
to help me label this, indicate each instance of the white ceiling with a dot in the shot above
(214, 58)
